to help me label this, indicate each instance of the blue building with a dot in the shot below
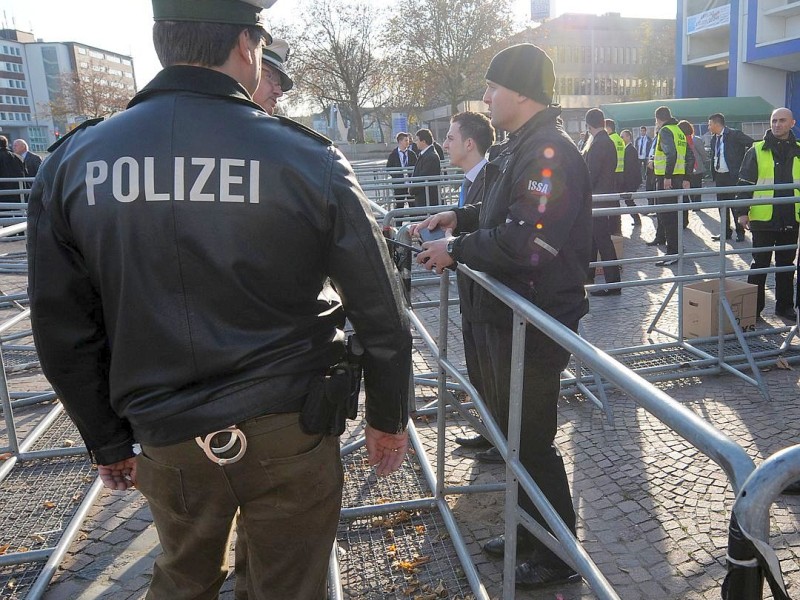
(739, 48)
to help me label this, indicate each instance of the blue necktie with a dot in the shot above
(462, 195)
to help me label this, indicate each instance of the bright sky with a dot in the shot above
(125, 26)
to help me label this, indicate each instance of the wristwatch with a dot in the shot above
(451, 249)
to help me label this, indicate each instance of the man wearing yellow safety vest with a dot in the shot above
(670, 167)
(774, 160)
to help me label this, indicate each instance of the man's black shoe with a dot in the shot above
(476, 441)
(786, 313)
(607, 292)
(656, 243)
(667, 263)
(532, 576)
(497, 545)
(792, 488)
(715, 238)
(492, 456)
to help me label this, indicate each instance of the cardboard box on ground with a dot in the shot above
(701, 307)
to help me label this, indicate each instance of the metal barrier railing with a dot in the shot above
(731, 457)
(704, 361)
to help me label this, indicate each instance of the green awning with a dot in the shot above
(694, 110)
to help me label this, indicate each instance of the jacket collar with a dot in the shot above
(199, 80)
(547, 116)
(771, 142)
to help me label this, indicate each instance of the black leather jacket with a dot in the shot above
(533, 230)
(180, 255)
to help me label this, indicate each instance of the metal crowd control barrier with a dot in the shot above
(30, 556)
(710, 441)
(719, 353)
(731, 457)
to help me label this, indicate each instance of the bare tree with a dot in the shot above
(447, 44)
(334, 59)
(90, 93)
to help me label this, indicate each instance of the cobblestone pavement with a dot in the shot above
(652, 511)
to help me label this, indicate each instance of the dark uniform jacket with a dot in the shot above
(533, 230)
(784, 153)
(735, 144)
(601, 160)
(179, 273)
(428, 164)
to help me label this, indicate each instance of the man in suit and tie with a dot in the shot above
(467, 141)
(727, 151)
(428, 165)
(643, 144)
(30, 160)
(404, 157)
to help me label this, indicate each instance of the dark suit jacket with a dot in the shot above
(632, 171)
(735, 144)
(393, 162)
(601, 158)
(32, 164)
(428, 164)
(439, 150)
(11, 166)
(475, 195)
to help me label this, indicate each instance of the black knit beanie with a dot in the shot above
(527, 70)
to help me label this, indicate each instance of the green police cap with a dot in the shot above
(232, 12)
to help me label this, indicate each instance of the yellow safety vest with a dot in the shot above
(766, 176)
(660, 159)
(620, 144)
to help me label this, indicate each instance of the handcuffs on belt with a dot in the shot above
(214, 453)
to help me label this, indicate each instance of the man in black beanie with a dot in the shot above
(533, 232)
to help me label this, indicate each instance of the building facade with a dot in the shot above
(740, 48)
(35, 78)
(605, 59)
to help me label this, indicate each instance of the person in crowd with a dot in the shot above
(615, 221)
(643, 145)
(775, 159)
(602, 159)
(728, 146)
(698, 155)
(275, 81)
(401, 157)
(439, 150)
(533, 233)
(670, 168)
(31, 161)
(631, 173)
(467, 141)
(11, 167)
(428, 165)
(222, 386)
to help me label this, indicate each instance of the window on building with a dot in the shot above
(81, 50)
(634, 56)
(95, 54)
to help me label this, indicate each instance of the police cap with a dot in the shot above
(232, 12)
(275, 55)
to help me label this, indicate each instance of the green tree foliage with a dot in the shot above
(444, 46)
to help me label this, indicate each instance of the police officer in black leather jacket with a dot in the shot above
(180, 255)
